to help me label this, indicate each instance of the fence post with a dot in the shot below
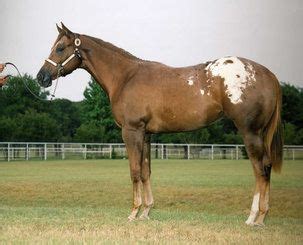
(110, 151)
(166, 155)
(237, 152)
(27, 153)
(85, 151)
(212, 152)
(63, 154)
(45, 151)
(162, 151)
(188, 152)
(8, 152)
(293, 154)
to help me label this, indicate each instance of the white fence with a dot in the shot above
(11, 151)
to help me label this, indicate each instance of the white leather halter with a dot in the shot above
(76, 53)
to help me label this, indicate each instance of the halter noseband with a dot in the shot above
(76, 53)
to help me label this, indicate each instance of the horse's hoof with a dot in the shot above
(249, 223)
(259, 224)
(131, 218)
(144, 217)
(255, 224)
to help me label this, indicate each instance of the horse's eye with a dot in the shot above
(59, 49)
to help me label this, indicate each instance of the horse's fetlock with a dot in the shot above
(149, 205)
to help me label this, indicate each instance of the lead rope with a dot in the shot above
(28, 88)
(55, 88)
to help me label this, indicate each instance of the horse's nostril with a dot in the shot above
(44, 78)
(40, 77)
(47, 77)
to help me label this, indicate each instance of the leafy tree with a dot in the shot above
(24, 117)
(289, 133)
(292, 134)
(8, 128)
(15, 98)
(292, 108)
(233, 138)
(195, 137)
(90, 132)
(34, 126)
(96, 110)
(67, 115)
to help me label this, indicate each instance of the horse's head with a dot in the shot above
(64, 57)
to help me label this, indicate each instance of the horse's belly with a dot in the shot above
(183, 117)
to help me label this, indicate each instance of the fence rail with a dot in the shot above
(12, 151)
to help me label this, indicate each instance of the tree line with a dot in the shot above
(25, 118)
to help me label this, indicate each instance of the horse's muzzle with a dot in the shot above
(44, 78)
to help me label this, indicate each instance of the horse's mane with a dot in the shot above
(112, 47)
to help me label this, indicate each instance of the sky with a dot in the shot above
(176, 33)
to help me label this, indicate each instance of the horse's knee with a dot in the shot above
(145, 179)
(145, 176)
(135, 176)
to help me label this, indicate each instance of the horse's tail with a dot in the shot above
(273, 135)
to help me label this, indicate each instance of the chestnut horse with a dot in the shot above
(149, 97)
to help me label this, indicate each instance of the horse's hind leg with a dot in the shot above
(256, 151)
(264, 184)
(145, 177)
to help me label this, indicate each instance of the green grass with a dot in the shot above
(195, 202)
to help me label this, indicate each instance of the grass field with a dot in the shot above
(195, 202)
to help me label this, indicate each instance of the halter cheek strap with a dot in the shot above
(75, 54)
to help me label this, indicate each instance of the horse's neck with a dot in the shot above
(109, 67)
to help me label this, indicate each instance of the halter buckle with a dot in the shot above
(77, 42)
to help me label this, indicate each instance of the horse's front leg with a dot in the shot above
(145, 177)
(134, 141)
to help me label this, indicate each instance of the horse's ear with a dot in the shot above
(66, 30)
(59, 29)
